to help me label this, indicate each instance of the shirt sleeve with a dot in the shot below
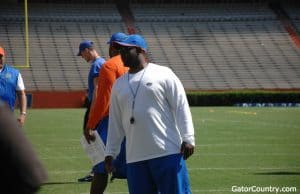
(100, 108)
(20, 83)
(95, 70)
(116, 132)
(177, 99)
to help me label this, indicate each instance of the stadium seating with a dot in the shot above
(209, 46)
(201, 12)
(235, 47)
(54, 36)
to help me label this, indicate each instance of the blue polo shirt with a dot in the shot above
(94, 72)
(8, 85)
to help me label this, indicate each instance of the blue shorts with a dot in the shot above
(163, 175)
(120, 161)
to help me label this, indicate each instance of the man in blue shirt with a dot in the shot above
(88, 52)
(12, 86)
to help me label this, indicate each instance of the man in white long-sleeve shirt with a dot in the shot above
(149, 107)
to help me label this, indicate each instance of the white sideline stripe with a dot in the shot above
(250, 122)
(246, 144)
(63, 158)
(246, 168)
(210, 190)
(191, 169)
(249, 154)
(50, 146)
(193, 190)
(200, 154)
(198, 146)
(113, 192)
(68, 171)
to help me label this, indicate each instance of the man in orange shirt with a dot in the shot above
(98, 116)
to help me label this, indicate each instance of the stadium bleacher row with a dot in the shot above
(209, 46)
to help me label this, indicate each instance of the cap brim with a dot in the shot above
(126, 44)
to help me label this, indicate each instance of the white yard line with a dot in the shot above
(194, 169)
(263, 123)
(246, 144)
(246, 168)
(247, 154)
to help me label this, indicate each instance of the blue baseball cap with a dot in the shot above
(134, 40)
(85, 44)
(117, 37)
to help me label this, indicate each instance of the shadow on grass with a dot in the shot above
(278, 173)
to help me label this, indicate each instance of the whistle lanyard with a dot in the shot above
(134, 93)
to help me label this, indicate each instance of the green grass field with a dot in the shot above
(235, 147)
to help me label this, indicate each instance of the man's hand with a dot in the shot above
(187, 150)
(109, 164)
(21, 119)
(89, 135)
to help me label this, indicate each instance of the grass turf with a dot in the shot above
(235, 147)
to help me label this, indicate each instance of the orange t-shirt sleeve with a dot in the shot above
(107, 77)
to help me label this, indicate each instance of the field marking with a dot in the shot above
(55, 136)
(192, 169)
(279, 124)
(193, 191)
(201, 145)
(64, 158)
(250, 138)
(115, 192)
(78, 147)
(246, 168)
(246, 144)
(210, 190)
(249, 154)
(204, 154)
(67, 171)
(243, 112)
